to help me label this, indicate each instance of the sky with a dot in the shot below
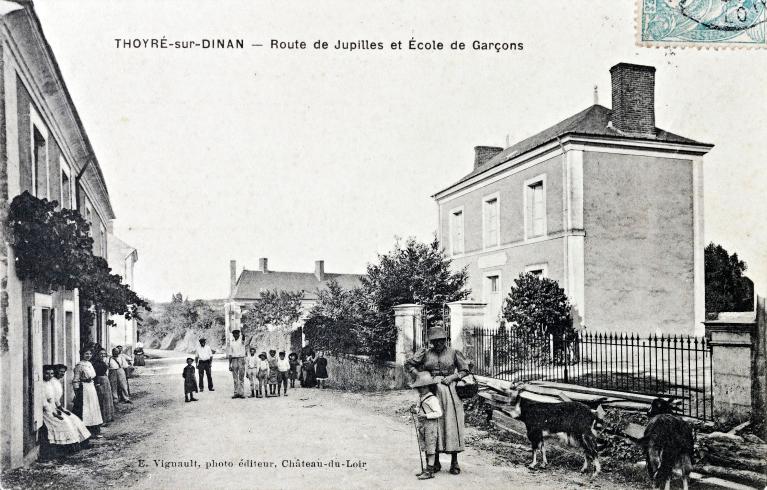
(300, 155)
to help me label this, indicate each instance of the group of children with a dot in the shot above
(268, 376)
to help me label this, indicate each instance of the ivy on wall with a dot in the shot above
(54, 250)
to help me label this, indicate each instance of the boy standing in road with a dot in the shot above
(190, 383)
(251, 363)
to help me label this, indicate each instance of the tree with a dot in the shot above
(412, 272)
(727, 289)
(333, 322)
(280, 309)
(538, 306)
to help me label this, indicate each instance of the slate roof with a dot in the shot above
(589, 122)
(250, 284)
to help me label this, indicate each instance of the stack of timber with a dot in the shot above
(742, 459)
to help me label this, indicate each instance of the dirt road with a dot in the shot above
(313, 438)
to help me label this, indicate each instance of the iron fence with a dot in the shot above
(432, 314)
(673, 366)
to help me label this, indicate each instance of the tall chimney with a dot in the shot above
(262, 265)
(483, 154)
(232, 277)
(633, 90)
(319, 270)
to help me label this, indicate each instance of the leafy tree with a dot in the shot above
(538, 306)
(727, 289)
(333, 322)
(54, 250)
(279, 309)
(412, 272)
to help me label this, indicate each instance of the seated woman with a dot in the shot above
(65, 431)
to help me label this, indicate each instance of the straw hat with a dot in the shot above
(423, 378)
(437, 333)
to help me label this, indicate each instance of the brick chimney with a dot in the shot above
(633, 90)
(319, 270)
(262, 265)
(483, 154)
(232, 277)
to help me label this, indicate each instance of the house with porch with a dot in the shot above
(45, 150)
(604, 202)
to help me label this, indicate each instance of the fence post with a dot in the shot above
(405, 317)
(732, 337)
(464, 317)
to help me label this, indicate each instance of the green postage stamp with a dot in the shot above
(702, 23)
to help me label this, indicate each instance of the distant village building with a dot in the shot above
(604, 202)
(246, 289)
(122, 260)
(44, 149)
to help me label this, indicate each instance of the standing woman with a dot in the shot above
(103, 386)
(138, 355)
(446, 365)
(86, 399)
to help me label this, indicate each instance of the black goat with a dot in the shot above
(668, 444)
(573, 421)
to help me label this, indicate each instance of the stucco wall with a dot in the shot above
(514, 254)
(638, 251)
(511, 196)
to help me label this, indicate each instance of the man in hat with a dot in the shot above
(235, 352)
(204, 358)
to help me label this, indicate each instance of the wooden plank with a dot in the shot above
(637, 406)
(571, 395)
(739, 427)
(597, 391)
(501, 398)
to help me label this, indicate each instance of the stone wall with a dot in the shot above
(348, 372)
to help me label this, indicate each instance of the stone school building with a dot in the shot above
(604, 202)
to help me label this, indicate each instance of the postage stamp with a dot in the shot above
(702, 23)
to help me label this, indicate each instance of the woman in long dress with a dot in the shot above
(86, 399)
(103, 386)
(446, 365)
(309, 378)
(138, 355)
(64, 429)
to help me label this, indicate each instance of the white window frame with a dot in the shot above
(451, 223)
(65, 170)
(528, 216)
(538, 267)
(485, 200)
(36, 122)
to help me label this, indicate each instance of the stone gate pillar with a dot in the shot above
(464, 317)
(731, 341)
(407, 319)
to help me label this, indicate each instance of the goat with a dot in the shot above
(573, 421)
(668, 444)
